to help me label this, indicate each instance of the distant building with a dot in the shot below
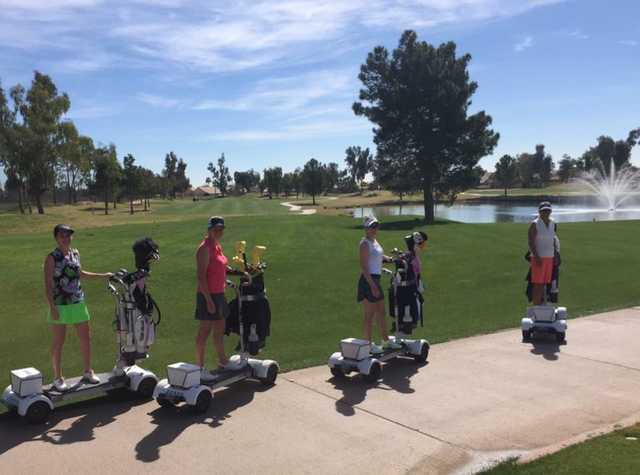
(205, 191)
(487, 180)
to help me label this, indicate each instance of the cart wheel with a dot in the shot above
(12, 411)
(374, 373)
(424, 354)
(203, 401)
(38, 412)
(272, 374)
(526, 336)
(146, 387)
(561, 337)
(338, 372)
(164, 402)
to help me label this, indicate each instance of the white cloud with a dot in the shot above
(526, 42)
(92, 111)
(232, 35)
(158, 101)
(288, 94)
(628, 42)
(578, 34)
(43, 5)
(292, 132)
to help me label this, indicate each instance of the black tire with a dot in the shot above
(272, 375)
(424, 354)
(146, 387)
(374, 373)
(12, 411)
(203, 401)
(526, 336)
(164, 402)
(38, 412)
(338, 372)
(561, 337)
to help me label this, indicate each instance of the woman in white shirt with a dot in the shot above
(369, 289)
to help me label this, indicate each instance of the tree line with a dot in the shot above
(42, 151)
(530, 170)
(314, 178)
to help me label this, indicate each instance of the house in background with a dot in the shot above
(205, 191)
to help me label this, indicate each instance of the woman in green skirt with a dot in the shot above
(62, 272)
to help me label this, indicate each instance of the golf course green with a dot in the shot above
(474, 274)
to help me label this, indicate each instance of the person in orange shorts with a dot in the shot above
(542, 245)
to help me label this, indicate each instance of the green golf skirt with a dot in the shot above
(70, 314)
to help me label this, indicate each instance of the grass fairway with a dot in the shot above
(474, 274)
(616, 453)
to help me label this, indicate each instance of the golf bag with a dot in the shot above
(134, 321)
(405, 301)
(256, 314)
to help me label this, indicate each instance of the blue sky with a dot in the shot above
(271, 83)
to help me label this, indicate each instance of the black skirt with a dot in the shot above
(364, 289)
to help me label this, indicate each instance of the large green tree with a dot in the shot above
(41, 109)
(220, 175)
(107, 174)
(391, 174)
(273, 180)
(359, 162)
(506, 172)
(607, 149)
(131, 179)
(312, 174)
(246, 181)
(419, 98)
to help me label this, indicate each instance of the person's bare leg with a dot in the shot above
(84, 335)
(59, 332)
(201, 340)
(537, 294)
(380, 318)
(218, 342)
(369, 312)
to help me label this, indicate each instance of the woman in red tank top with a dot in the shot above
(211, 306)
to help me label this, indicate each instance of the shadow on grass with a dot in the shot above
(396, 376)
(402, 224)
(170, 422)
(92, 413)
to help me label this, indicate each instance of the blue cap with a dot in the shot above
(216, 222)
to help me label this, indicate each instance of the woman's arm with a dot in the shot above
(364, 262)
(95, 275)
(48, 285)
(202, 263)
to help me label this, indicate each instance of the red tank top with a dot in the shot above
(217, 268)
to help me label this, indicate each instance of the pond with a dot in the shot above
(501, 212)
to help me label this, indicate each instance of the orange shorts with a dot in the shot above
(542, 271)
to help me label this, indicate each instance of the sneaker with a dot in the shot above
(234, 363)
(90, 377)
(60, 385)
(206, 376)
(392, 345)
(376, 349)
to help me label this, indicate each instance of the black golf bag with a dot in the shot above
(552, 289)
(405, 301)
(256, 314)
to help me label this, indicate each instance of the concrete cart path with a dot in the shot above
(479, 399)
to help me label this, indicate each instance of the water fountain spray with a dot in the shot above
(613, 189)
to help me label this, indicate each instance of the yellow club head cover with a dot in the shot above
(241, 246)
(256, 254)
(239, 261)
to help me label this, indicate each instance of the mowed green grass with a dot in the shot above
(92, 214)
(616, 453)
(475, 276)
